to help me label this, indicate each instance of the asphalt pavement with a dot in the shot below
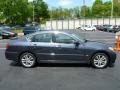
(59, 76)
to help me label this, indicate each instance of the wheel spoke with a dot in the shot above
(103, 63)
(26, 56)
(103, 58)
(95, 61)
(31, 58)
(31, 62)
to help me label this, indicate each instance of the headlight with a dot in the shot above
(110, 48)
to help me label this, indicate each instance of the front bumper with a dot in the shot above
(112, 56)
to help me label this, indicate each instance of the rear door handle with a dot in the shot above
(58, 46)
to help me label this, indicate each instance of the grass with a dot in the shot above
(17, 31)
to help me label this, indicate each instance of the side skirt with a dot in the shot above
(62, 61)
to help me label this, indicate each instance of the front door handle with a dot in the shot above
(34, 44)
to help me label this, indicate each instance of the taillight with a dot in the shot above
(7, 45)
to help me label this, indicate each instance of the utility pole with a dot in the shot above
(112, 9)
(84, 17)
(33, 10)
(84, 10)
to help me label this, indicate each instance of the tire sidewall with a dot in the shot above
(26, 54)
(92, 61)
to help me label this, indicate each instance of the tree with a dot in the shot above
(97, 8)
(18, 11)
(116, 9)
(64, 13)
(41, 10)
(85, 11)
(107, 8)
(15, 11)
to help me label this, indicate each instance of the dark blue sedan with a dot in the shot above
(59, 47)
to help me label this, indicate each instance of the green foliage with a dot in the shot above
(18, 11)
(17, 31)
(64, 13)
(107, 8)
(116, 9)
(85, 11)
(41, 10)
(99, 8)
(15, 11)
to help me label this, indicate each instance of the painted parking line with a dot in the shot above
(2, 48)
(3, 43)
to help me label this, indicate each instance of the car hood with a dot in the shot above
(96, 45)
(8, 32)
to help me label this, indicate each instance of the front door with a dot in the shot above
(65, 48)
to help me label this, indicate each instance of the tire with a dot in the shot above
(3, 37)
(100, 60)
(28, 60)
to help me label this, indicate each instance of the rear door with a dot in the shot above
(42, 45)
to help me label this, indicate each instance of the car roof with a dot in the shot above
(51, 31)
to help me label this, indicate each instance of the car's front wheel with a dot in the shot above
(27, 60)
(100, 60)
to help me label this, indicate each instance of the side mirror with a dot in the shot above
(77, 44)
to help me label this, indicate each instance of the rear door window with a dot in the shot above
(45, 37)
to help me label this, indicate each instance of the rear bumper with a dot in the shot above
(6, 36)
(11, 55)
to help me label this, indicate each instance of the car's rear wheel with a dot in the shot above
(100, 60)
(27, 60)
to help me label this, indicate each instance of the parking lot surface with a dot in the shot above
(60, 76)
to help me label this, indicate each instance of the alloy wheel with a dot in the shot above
(100, 60)
(28, 60)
